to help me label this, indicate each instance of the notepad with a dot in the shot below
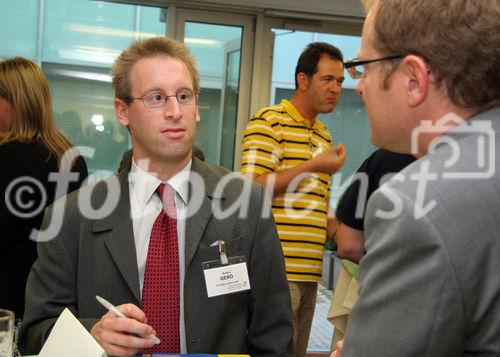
(70, 338)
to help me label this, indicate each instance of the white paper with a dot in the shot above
(69, 338)
(227, 279)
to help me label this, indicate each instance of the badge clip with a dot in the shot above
(222, 251)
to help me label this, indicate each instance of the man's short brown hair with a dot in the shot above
(150, 48)
(459, 40)
(310, 57)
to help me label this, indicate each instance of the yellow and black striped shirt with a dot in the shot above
(276, 139)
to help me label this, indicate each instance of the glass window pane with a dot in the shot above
(212, 46)
(153, 21)
(84, 112)
(19, 21)
(287, 47)
(86, 32)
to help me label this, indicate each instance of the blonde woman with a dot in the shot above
(31, 147)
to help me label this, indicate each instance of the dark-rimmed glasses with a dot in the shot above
(355, 66)
(157, 99)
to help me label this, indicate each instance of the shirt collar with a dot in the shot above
(144, 184)
(295, 114)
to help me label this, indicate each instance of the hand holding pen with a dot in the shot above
(123, 330)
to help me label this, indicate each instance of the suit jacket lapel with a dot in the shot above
(198, 221)
(120, 239)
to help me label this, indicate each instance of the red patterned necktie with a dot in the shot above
(160, 292)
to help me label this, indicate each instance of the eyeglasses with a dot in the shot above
(355, 66)
(156, 99)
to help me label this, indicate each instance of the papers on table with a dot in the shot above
(69, 338)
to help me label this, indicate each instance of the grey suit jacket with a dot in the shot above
(97, 257)
(430, 280)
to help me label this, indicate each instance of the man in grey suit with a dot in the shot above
(430, 279)
(156, 84)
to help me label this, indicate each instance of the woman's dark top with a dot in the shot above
(376, 166)
(24, 178)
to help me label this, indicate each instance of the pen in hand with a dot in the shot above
(118, 313)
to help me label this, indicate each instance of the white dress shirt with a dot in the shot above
(145, 207)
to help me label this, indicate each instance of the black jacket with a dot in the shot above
(25, 192)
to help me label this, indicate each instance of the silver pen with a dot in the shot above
(118, 313)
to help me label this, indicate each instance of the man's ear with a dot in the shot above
(198, 118)
(417, 79)
(302, 81)
(121, 110)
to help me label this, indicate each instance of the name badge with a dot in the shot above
(226, 279)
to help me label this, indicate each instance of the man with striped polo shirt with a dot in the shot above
(286, 148)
